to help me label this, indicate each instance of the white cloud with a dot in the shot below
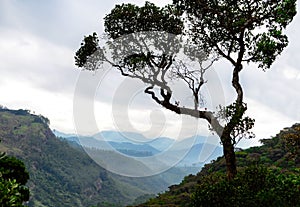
(56, 106)
(268, 122)
(291, 73)
(31, 59)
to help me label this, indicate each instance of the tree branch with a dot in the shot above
(207, 115)
(225, 56)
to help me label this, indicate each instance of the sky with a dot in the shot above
(38, 40)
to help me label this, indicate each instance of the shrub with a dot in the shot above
(253, 186)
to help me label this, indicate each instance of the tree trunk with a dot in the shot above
(229, 154)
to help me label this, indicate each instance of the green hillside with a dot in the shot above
(61, 175)
(271, 170)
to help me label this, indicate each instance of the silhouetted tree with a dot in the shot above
(237, 31)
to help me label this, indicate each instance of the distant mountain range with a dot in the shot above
(193, 150)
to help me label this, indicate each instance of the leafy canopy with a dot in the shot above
(128, 18)
(240, 31)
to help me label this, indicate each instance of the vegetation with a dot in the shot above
(254, 186)
(240, 32)
(269, 175)
(13, 178)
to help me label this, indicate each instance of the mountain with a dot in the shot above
(128, 148)
(136, 150)
(62, 174)
(61, 134)
(200, 154)
(280, 153)
(161, 143)
(191, 152)
(115, 136)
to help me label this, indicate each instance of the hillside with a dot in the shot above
(280, 153)
(61, 175)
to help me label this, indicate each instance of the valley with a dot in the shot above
(62, 172)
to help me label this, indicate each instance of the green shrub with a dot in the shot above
(13, 177)
(253, 186)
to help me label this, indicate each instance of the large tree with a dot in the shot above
(238, 31)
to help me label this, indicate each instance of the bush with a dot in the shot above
(13, 177)
(253, 186)
(11, 193)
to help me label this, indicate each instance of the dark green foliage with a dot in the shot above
(88, 47)
(12, 193)
(274, 152)
(128, 18)
(12, 168)
(253, 186)
(291, 139)
(234, 113)
(143, 198)
(13, 177)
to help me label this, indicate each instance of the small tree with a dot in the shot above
(238, 31)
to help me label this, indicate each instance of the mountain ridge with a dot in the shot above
(61, 175)
(188, 148)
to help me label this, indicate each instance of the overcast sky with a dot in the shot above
(38, 40)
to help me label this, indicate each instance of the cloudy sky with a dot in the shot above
(38, 40)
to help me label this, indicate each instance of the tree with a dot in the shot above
(237, 31)
(240, 32)
(13, 177)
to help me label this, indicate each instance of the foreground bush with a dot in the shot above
(253, 186)
(13, 177)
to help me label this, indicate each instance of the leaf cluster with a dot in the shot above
(13, 177)
(126, 19)
(292, 140)
(88, 47)
(234, 114)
